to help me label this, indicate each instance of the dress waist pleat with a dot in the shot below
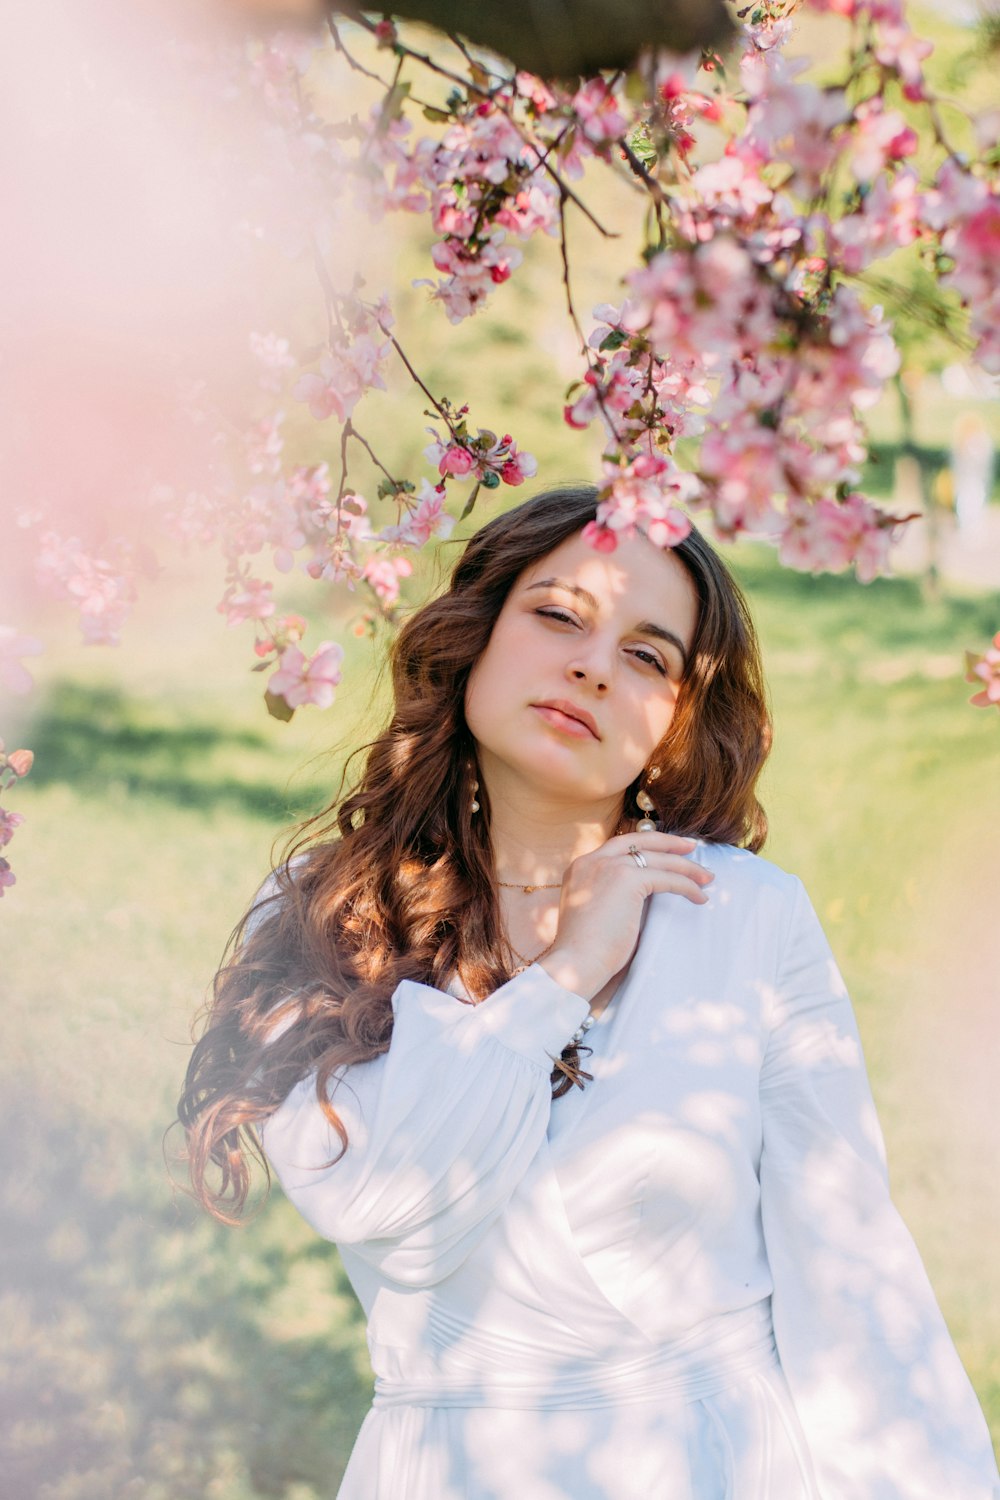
(718, 1356)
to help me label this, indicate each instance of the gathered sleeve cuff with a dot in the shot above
(886, 1406)
(441, 1128)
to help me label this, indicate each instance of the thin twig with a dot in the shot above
(353, 432)
(342, 487)
(442, 413)
(652, 186)
(564, 252)
(349, 59)
(593, 361)
(491, 96)
(358, 67)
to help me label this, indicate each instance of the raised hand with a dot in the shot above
(602, 900)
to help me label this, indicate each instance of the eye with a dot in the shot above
(551, 612)
(648, 657)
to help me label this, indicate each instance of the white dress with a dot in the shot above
(684, 1282)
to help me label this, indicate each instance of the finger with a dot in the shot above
(670, 843)
(670, 882)
(676, 862)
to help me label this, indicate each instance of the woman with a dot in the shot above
(682, 1278)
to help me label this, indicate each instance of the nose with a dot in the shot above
(593, 675)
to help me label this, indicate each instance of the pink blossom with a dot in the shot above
(643, 495)
(350, 367)
(985, 668)
(838, 7)
(743, 464)
(518, 466)
(879, 136)
(536, 91)
(7, 876)
(601, 538)
(831, 535)
(13, 676)
(456, 461)
(428, 518)
(300, 679)
(728, 191)
(384, 575)
(472, 273)
(320, 392)
(601, 118)
(897, 47)
(274, 356)
(265, 444)
(796, 123)
(9, 822)
(249, 599)
(102, 588)
(390, 175)
(607, 388)
(533, 207)
(286, 630)
(889, 218)
(706, 305)
(20, 761)
(979, 235)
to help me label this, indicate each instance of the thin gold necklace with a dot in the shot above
(525, 961)
(515, 885)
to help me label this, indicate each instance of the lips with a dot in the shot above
(561, 705)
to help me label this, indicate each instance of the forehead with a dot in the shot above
(637, 579)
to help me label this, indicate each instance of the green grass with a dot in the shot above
(157, 1355)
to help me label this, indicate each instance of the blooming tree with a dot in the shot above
(729, 373)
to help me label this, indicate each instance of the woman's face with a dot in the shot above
(581, 673)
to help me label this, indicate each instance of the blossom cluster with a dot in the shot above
(743, 331)
(490, 176)
(260, 508)
(985, 668)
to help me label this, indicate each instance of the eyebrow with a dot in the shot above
(644, 627)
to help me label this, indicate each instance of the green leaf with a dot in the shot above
(438, 116)
(278, 708)
(470, 502)
(613, 340)
(392, 104)
(491, 479)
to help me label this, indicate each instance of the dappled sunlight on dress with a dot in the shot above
(572, 1300)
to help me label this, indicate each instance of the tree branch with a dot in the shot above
(567, 38)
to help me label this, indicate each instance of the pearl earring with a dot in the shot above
(646, 824)
(646, 805)
(475, 789)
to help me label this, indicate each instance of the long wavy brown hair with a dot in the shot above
(395, 880)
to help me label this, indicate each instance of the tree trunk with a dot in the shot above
(931, 580)
(566, 38)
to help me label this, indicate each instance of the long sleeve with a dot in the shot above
(885, 1403)
(441, 1128)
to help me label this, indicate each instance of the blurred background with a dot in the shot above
(150, 1352)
